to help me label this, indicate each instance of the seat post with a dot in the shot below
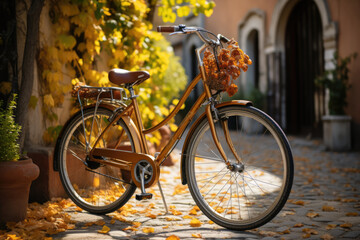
(138, 119)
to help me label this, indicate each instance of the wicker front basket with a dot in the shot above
(223, 66)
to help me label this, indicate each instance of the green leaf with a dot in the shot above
(33, 102)
(67, 41)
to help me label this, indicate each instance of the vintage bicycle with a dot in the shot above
(236, 160)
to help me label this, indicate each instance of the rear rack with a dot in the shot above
(110, 93)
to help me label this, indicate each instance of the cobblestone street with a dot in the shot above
(324, 204)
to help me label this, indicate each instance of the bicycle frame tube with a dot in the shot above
(177, 107)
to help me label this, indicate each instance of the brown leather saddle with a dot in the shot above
(121, 76)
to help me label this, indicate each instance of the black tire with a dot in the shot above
(93, 192)
(240, 199)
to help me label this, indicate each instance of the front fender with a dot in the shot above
(192, 129)
(128, 121)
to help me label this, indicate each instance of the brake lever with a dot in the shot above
(178, 32)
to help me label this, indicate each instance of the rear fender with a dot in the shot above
(192, 129)
(128, 121)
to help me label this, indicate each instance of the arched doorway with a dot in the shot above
(304, 55)
(252, 49)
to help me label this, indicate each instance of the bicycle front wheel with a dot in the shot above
(252, 191)
(96, 187)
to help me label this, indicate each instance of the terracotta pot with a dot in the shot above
(15, 181)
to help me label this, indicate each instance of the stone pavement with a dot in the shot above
(324, 204)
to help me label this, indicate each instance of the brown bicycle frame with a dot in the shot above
(134, 108)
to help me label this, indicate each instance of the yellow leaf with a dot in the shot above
(330, 226)
(173, 237)
(150, 215)
(300, 202)
(148, 230)
(100, 222)
(48, 100)
(346, 225)
(209, 12)
(136, 224)
(327, 208)
(312, 214)
(195, 222)
(196, 235)
(310, 231)
(104, 230)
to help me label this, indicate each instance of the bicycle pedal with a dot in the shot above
(143, 196)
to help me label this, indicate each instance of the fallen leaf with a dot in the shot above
(148, 230)
(346, 225)
(196, 235)
(136, 224)
(330, 226)
(105, 229)
(310, 231)
(152, 216)
(100, 222)
(130, 228)
(327, 237)
(268, 233)
(176, 212)
(327, 208)
(352, 214)
(211, 222)
(312, 214)
(187, 217)
(193, 212)
(195, 222)
(306, 235)
(299, 225)
(173, 237)
(300, 202)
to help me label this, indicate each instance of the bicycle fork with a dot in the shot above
(211, 114)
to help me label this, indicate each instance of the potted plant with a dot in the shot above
(336, 125)
(15, 176)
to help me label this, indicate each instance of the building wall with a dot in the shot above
(339, 18)
(346, 14)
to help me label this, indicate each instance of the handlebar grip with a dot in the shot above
(168, 29)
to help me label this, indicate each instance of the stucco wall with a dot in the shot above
(346, 14)
(228, 14)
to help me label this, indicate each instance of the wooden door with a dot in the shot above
(304, 61)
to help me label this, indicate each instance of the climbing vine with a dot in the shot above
(87, 33)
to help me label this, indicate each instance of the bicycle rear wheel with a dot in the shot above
(96, 187)
(252, 193)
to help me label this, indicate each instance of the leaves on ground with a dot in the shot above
(104, 230)
(173, 237)
(195, 222)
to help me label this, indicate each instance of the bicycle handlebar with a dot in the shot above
(182, 29)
